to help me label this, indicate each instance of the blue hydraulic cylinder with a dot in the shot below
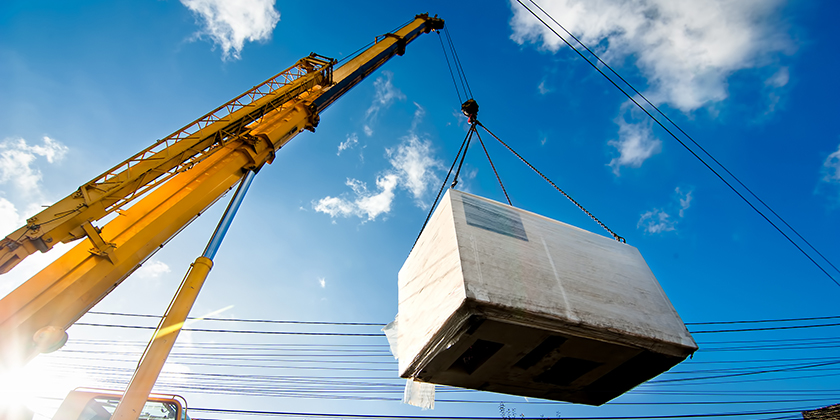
(227, 218)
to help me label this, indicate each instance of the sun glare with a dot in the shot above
(39, 386)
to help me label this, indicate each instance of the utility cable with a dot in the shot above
(140, 327)
(688, 136)
(371, 324)
(658, 122)
(600, 223)
(788, 327)
(764, 320)
(376, 324)
(759, 372)
(400, 417)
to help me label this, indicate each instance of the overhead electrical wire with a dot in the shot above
(784, 327)
(400, 417)
(357, 362)
(681, 142)
(267, 321)
(756, 321)
(210, 330)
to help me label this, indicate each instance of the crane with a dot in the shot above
(168, 185)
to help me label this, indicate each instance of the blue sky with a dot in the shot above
(326, 227)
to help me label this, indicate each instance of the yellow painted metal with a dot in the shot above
(65, 220)
(66, 289)
(174, 181)
(158, 350)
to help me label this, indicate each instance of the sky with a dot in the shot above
(326, 227)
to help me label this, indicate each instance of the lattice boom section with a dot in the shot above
(161, 150)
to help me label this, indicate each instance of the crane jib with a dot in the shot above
(351, 80)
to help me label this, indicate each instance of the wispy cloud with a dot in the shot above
(659, 220)
(153, 269)
(635, 144)
(831, 168)
(322, 282)
(415, 165)
(385, 95)
(779, 79)
(229, 23)
(412, 168)
(364, 203)
(543, 88)
(684, 199)
(352, 141)
(656, 221)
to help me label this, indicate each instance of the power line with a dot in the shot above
(140, 327)
(784, 327)
(268, 321)
(706, 164)
(789, 327)
(398, 417)
(755, 321)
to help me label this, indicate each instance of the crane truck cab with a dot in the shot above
(99, 404)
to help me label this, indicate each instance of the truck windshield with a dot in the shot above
(101, 408)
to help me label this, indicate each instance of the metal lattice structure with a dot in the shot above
(70, 218)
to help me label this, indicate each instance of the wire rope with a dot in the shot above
(598, 221)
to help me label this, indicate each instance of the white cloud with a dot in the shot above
(686, 49)
(365, 203)
(376, 204)
(656, 221)
(542, 88)
(635, 144)
(779, 79)
(152, 269)
(10, 219)
(543, 138)
(684, 199)
(16, 163)
(385, 95)
(659, 221)
(352, 141)
(831, 168)
(412, 168)
(229, 23)
(322, 282)
(414, 164)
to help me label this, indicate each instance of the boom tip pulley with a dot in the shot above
(470, 109)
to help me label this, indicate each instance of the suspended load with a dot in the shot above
(500, 299)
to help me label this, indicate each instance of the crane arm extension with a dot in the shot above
(61, 293)
(70, 218)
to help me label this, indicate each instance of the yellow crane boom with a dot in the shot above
(173, 181)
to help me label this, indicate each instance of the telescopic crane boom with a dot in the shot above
(172, 181)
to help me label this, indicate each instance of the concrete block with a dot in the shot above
(500, 299)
